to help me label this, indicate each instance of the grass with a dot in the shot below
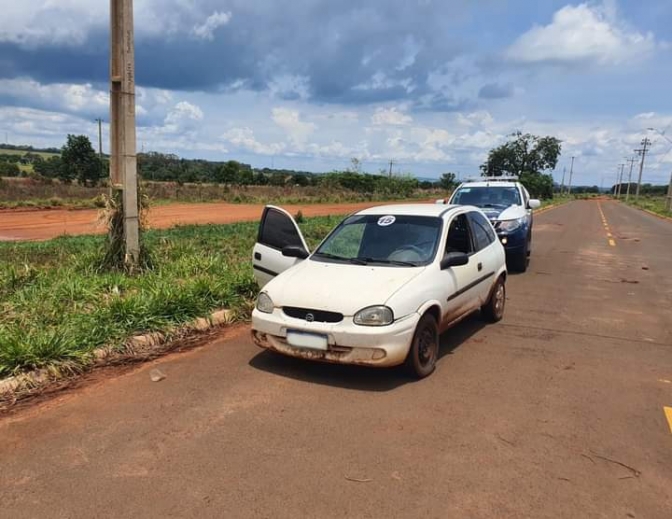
(44, 154)
(56, 307)
(654, 204)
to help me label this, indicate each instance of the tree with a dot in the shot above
(523, 153)
(80, 161)
(50, 168)
(8, 169)
(527, 156)
(447, 181)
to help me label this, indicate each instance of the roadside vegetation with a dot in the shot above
(57, 305)
(655, 204)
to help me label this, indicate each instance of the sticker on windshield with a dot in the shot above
(384, 221)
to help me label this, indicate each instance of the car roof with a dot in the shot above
(494, 183)
(412, 209)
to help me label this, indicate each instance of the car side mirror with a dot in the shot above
(294, 251)
(534, 203)
(454, 259)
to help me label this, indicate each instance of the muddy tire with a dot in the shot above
(424, 352)
(493, 310)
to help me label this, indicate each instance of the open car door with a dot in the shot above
(277, 232)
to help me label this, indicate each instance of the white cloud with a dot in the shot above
(184, 117)
(480, 118)
(206, 30)
(390, 117)
(66, 97)
(290, 121)
(244, 138)
(582, 33)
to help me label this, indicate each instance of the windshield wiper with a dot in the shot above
(356, 261)
(389, 262)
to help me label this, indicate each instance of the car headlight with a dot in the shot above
(265, 303)
(511, 225)
(374, 316)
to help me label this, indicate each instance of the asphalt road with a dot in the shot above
(557, 411)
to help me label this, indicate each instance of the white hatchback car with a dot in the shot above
(380, 288)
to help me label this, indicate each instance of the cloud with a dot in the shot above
(479, 118)
(390, 117)
(289, 120)
(342, 51)
(244, 139)
(496, 91)
(206, 30)
(582, 34)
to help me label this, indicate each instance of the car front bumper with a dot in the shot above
(348, 343)
(514, 242)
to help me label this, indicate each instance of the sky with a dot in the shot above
(431, 85)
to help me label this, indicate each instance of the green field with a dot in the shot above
(45, 155)
(56, 307)
(654, 204)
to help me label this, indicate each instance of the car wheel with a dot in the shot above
(493, 310)
(520, 261)
(424, 352)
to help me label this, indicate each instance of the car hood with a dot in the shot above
(510, 213)
(337, 287)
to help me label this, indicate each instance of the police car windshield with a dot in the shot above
(487, 196)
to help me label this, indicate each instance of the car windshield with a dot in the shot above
(387, 240)
(487, 196)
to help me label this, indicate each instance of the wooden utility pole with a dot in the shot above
(123, 160)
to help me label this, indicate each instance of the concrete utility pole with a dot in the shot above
(571, 172)
(100, 144)
(123, 160)
(562, 184)
(620, 181)
(627, 191)
(391, 162)
(668, 205)
(645, 145)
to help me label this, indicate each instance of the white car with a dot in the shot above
(380, 288)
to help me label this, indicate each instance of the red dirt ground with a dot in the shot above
(47, 224)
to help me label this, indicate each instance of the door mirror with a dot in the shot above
(454, 259)
(293, 251)
(534, 203)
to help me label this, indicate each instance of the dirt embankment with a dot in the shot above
(47, 224)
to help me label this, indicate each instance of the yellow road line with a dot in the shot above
(606, 226)
(668, 415)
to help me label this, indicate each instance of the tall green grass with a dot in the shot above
(655, 204)
(56, 306)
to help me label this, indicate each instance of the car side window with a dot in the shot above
(278, 231)
(483, 233)
(459, 236)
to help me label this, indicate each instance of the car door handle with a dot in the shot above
(480, 267)
(257, 256)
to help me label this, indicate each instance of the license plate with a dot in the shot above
(311, 341)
